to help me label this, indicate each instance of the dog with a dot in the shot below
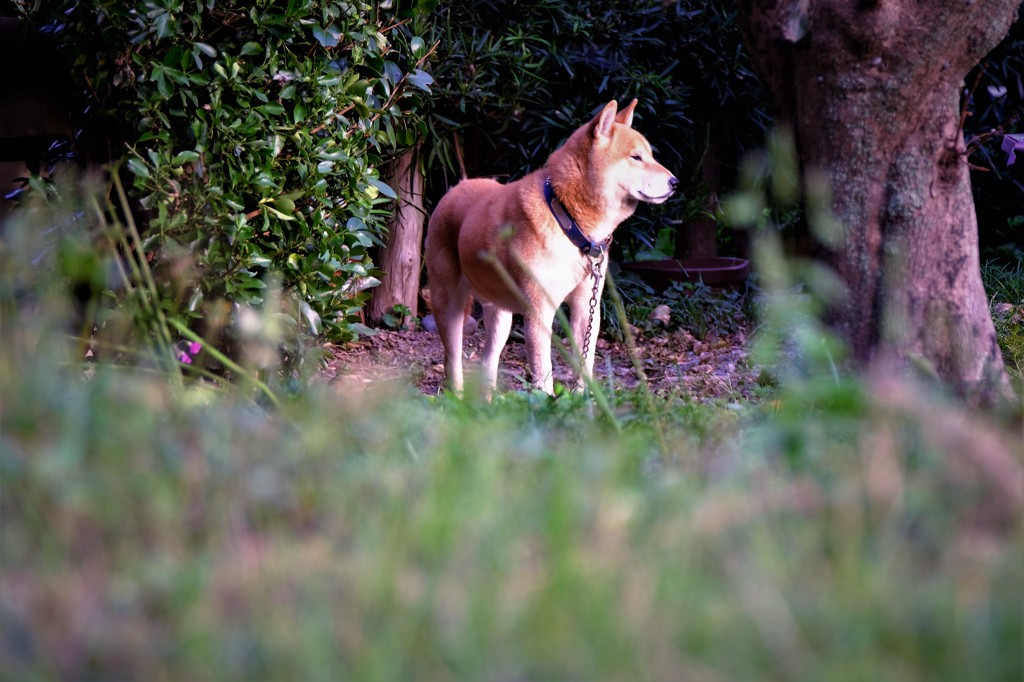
(530, 245)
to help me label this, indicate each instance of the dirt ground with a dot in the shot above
(673, 361)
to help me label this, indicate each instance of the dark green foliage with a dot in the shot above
(253, 133)
(994, 103)
(700, 309)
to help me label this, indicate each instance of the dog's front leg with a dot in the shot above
(537, 328)
(580, 320)
(497, 324)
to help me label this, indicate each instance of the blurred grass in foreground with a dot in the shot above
(848, 531)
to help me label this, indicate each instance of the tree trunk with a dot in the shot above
(872, 90)
(401, 257)
(700, 238)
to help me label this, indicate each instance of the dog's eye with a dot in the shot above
(637, 157)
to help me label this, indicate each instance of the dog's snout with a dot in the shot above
(673, 183)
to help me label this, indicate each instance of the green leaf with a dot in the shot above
(284, 204)
(138, 167)
(253, 283)
(37, 184)
(364, 283)
(421, 79)
(272, 109)
(311, 317)
(328, 37)
(164, 87)
(195, 300)
(185, 157)
(162, 24)
(358, 88)
(208, 50)
(383, 187)
(333, 155)
(357, 269)
(392, 72)
(279, 214)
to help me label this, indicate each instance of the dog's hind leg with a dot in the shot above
(450, 308)
(497, 325)
(450, 292)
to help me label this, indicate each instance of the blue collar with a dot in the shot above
(572, 230)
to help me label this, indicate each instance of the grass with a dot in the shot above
(163, 533)
(1004, 283)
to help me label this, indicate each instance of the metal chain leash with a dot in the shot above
(595, 270)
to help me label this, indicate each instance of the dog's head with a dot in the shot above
(622, 157)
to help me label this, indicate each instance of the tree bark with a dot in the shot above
(871, 89)
(700, 238)
(401, 257)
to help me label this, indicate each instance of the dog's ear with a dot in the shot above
(625, 116)
(604, 121)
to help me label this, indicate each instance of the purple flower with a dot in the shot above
(1013, 145)
(187, 351)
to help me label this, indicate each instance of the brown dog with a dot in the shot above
(548, 233)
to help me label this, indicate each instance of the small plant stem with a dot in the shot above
(146, 292)
(634, 358)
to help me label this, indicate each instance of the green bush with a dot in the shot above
(253, 133)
